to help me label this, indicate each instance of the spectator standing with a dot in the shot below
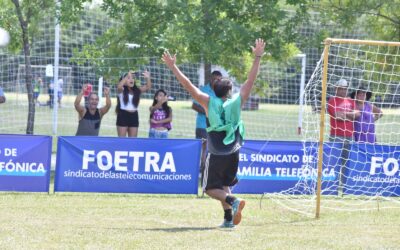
(50, 91)
(364, 125)
(37, 86)
(342, 112)
(160, 116)
(201, 125)
(60, 91)
(49, 81)
(128, 101)
(90, 116)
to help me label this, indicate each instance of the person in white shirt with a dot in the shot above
(128, 101)
(60, 91)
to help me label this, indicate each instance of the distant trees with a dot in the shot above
(380, 17)
(214, 32)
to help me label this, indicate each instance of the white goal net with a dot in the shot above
(360, 160)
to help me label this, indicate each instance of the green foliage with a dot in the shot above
(276, 70)
(9, 21)
(377, 64)
(71, 10)
(22, 19)
(215, 32)
(379, 17)
(381, 20)
(33, 12)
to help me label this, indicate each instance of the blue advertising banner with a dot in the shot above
(274, 166)
(127, 165)
(25, 162)
(373, 170)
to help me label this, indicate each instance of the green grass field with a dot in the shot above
(134, 221)
(116, 221)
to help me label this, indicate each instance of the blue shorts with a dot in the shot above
(154, 133)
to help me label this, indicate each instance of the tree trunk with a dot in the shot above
(207, 72)
(28, 69)
(207, 33)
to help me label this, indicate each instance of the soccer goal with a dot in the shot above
(43, 72)
(360, 174)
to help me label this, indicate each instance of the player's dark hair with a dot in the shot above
(222, 87)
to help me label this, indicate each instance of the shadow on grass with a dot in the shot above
(181, 229)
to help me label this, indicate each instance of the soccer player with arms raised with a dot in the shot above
(225, 133)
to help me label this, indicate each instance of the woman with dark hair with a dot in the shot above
(128, 101)
(160, 115)
(364, 125)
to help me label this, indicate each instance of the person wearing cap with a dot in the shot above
(342, 112)
(364, 125)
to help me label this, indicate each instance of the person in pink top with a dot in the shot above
(160, 116)
(342, 112)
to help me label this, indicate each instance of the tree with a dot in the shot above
(380, 17)
(215, 32)
(26, 14)
(21, 19)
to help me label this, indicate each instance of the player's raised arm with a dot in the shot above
(199, 96)
(258, 52)
(80, 109)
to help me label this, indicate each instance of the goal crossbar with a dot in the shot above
(361, 42)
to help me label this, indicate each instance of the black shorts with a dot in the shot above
(127, 119)
(201, 133)
(220, 171)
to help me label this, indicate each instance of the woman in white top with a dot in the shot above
(127, 103)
